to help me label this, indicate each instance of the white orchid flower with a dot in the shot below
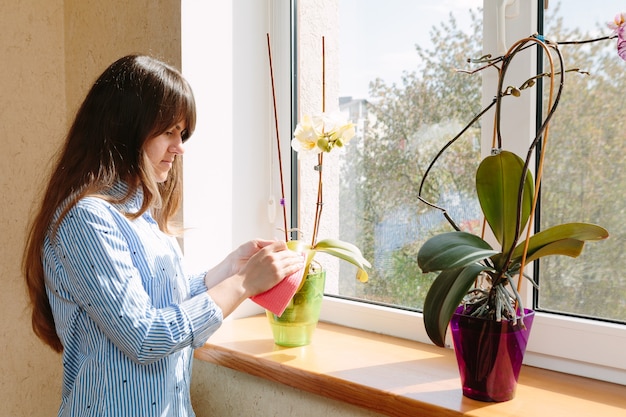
(322, 133)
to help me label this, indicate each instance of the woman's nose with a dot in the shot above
(178, 147)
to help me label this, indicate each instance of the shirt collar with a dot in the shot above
(120, 189)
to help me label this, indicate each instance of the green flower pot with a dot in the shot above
(296, 325)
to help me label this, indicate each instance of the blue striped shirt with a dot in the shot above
(127, 314)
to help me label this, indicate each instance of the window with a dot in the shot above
(225, 59)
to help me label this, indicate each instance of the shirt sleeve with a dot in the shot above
(99, 273)
(196, 284)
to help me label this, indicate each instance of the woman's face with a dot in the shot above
(162, 150)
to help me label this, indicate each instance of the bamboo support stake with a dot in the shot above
(539, 173)
(280, 161)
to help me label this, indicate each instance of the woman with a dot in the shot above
(103, 271)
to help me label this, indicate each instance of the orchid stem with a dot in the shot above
(320, 156)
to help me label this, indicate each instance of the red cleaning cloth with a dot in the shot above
(277, 298)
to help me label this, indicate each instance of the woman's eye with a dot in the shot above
(184, 135)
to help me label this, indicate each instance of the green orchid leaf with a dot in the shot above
(298, 246)
(452, 250)
(564, 233)
(497, 184)
(567, 247)
(304, 248)
(344, 250)
(346, 255)
(336, 243)
(334, 247)
(444, 296)
(362, 275)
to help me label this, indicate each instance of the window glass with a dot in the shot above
(586, 153)
(401, 89)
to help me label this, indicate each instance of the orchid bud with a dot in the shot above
(323, 144)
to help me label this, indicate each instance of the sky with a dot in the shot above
(370, 49)
(377, 38)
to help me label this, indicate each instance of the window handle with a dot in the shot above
(506, 9)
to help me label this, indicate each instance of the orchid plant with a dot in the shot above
(320, 134)
(486, 280)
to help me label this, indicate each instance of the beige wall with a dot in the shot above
(222, 392)
(51, 52)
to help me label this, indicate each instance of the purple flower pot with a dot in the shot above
(489, 355)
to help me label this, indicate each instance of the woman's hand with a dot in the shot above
(268, 265)
(254, 267)
(234, 262)
(240, 256)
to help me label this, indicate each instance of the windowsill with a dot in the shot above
(397, 377)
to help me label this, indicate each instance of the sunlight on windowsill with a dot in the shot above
(397, 377)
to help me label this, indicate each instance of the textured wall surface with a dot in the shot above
(32, 113)
(52, 51)
(222, 392)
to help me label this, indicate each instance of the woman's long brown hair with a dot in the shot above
(136, 98)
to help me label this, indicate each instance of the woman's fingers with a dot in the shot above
(270, 265)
